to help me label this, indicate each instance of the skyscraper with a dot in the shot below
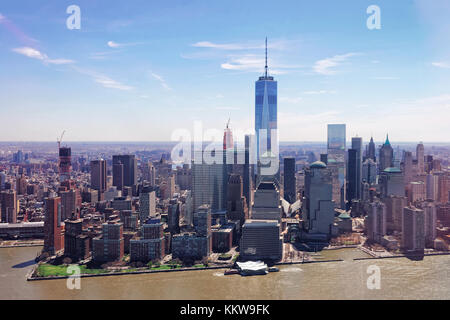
(65, 163)
(265, 111)
(53, 228)
(336, 143)
(413, 229)
(98, 175)
(371, 150)
(129, 168)
(354, 171)
(386, 155)
(289, 179)
(318, 207)
(420, 156)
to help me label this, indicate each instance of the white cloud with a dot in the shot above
(443, 65)
(320, 92)
(115, 45)
(255, 63)
(103, 80)
(161, 80)
(327, 65)
(36, 54)
(227, 46)
(2, 17)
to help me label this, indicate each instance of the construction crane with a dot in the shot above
(60, 139)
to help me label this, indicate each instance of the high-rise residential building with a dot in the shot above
(53, 227)
(8, 204)
(150, 246)
(110, 245)
(261, 240)
(392, 182)
(202, 221)
(76, 244)
(430, 212)
(147, 203)
(376, 221)
(187, 207)
(265, 112)
(208, 184)
(236, 202)
(289, 180)
(386, 155)
(98, 175)
(420, 157)
(369, 171)
(394, 211)
(129, 169)
(413, 229)
(70, 205)
(444, 187)
(318, 206)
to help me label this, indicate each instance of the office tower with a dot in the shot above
(173, 216)
(413, 229)
(151, 244)
(408, 166)
(392, 182)
(98, 175)
(236, 202)
(247, 176)
(8, 204)
(69, 206)
(110, 245)
(417, 191)
(65, 163)
(290, 194)
(228, 138)
(371, 150)
(369, 171)
(432, 183)
(208, 185)
(266, 203)
(336, 142)
(354, 170)
(420, 157)
(2, 180)
(21, 185)
(149, 173)
(53, 228)
(76, 244)
(386, 155)
(265, 112)
(318, 207)
(118, 175)
(147, 203)
(394, 211)
(112, 193)
(129, 169)
(167, 187)
(184, 177)
(376, 221)
(18, 156)
(261, 240)
(122, 203)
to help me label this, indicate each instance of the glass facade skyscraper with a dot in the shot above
(265, 111)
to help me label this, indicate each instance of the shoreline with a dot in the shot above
(405, 256)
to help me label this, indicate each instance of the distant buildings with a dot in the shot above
(386, 156)
(8, 206)
(98, 175)
(125, 175)
(392, 182)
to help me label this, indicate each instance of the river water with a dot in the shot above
(401, 278)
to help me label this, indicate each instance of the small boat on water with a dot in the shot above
(251, 268)
(273, 269)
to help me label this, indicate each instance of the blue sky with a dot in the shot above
(138, 70)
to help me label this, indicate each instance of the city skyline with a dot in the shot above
(123, 67)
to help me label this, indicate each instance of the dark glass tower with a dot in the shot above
(289, 179)
(265, 111)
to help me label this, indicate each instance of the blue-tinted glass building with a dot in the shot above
(265, 110)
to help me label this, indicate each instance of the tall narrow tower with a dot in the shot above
(265, 111)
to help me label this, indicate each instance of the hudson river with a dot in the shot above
(401, 278)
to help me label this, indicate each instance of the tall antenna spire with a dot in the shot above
(266, 58)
